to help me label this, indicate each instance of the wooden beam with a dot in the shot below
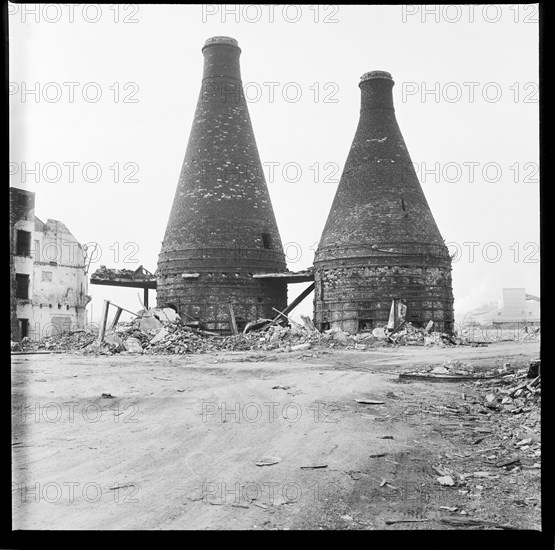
(297, 300)
(129, 283)
(145, 298)
(232, 319)
(132, 312)
(103, 320)
(116, 317)
(289, 277)
(285, 316)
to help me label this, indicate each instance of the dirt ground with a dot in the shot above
(175, 444)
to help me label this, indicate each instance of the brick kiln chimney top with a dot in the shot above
(221, 41)
(376, 88)
(374, 75)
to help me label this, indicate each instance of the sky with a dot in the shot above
(102, 99)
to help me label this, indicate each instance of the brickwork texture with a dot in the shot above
(380, 241)
(222, 224)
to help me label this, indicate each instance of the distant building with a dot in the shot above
(47, 272)
(517, 307)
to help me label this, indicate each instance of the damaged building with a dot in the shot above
(221, 229)
(47, 268)
(380, 243)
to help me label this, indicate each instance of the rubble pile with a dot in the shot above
(494, 427)
(140, 274)
(156, 336)
(158, 331)
(162, 331)
(490, 376)
(511, 435)
(501, 390)
(104, 273)
(410, 335)
(292, 338)
(176, 338)
(63, 341)
(513, 393)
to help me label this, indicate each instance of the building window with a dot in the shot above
(22, 286)
(23, 327)
(47, 276)
(23, 243)
(37, 250)
(267, 240)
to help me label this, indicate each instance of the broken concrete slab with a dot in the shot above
(159, 336)
(146, 324)
(440, 370)
(446, 480)
(164, 314)
(171, 314)
(308, 324)
(133, 345)
(341, 337)
(115, 340)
